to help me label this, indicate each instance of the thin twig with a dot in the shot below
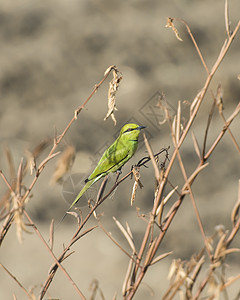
(53, 256)
(207, 128)
(17, 281)
(55, 145)
(162, 184)
(225, 127)
(194, 42)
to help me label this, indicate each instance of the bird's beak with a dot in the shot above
(141, 127)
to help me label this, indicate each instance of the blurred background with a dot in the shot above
(52, 54)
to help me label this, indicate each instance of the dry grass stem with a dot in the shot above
(156, 170)
(18, 282)
(127, 280)
(193, 278)
(227, 23)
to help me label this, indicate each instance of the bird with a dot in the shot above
(114, 157)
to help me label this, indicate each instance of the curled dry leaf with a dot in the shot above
(31, 162)
(33, 155)
(176, 269)
(113, 87)
(109, 69)
(134, 190)
(170, 24)
(18, 219)
(64, 164)
(136, 174)
(76, 215)
(195, 101)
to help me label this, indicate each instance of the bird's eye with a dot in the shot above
(129, 129)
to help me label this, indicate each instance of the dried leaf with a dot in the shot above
(160, 257)
(76, 215)
(172, 269)
(213, 287)
(127, 281)
(221, 247)
(171, 25)
(113, 87)
(137, 182)
(219, 98)
(126, 234)
(195, 101)
(156, 170)
(51, 234)
(109, 69)
(196, 146)
(178, 122)
(31, 162)
(134, 190)
(64, 164)
(33, 155)
(18, 219)
(229, 251)
(129, 230)
(149, 253)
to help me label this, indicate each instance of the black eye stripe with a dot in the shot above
(129, 129)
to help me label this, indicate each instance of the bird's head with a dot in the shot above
(131, 131)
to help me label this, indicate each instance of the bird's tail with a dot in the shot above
(83, 190)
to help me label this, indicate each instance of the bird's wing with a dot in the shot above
(113, 159)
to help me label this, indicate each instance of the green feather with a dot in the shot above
(114, 157)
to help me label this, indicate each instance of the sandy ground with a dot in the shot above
(52, 54)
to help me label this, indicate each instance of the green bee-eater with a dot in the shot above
(114, 157)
